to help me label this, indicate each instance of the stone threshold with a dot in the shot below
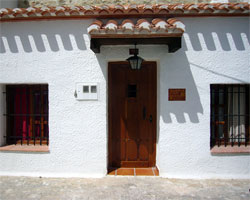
(148, 171)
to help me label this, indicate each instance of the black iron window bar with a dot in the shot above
(32, 102)
(227, 127)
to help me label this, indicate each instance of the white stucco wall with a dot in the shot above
(215, 50)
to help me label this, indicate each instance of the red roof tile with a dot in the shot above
(116, 11)
(142, 26)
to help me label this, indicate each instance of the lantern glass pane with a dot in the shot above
(139, 62)
(135, 62)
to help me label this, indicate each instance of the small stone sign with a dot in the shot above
(176, 94)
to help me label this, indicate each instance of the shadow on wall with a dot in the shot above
(42, 37)
(209, 36)
(175, 72)
(175, 69)
(218, 73)
(201, 34)
(213, 36)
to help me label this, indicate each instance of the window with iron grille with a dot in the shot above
(27, 114)
(229, 115)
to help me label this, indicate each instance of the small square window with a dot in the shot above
(132, 91)
(85, 89)
(93, 89)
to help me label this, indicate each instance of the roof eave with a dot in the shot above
(129, 11)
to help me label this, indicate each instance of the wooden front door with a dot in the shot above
(132, 115)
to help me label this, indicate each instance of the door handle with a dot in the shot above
(144, 113)
(150, 118)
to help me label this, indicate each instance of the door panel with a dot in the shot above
(132, 115)
(143, 150)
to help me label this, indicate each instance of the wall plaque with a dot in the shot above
(177, 94)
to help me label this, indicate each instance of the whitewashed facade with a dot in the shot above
(214, 50)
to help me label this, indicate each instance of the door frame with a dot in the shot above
(109, 93)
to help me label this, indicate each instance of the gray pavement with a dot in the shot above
(121, 188)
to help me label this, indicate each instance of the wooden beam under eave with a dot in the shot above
(95, 46)
(174, 43)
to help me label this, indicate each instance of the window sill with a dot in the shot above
(230, 150)
(25, 148)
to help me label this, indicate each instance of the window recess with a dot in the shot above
(229, 115)
(27, 114)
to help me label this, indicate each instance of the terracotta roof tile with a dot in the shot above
(111, 26)
(127, 26)
(143, 26)
(157, 10)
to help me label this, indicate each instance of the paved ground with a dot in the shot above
(121, 188)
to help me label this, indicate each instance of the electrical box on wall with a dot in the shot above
(87, 91)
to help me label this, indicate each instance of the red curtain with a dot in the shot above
(28, 113)
(21, 109)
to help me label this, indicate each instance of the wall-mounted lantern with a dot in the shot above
(135, 61)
